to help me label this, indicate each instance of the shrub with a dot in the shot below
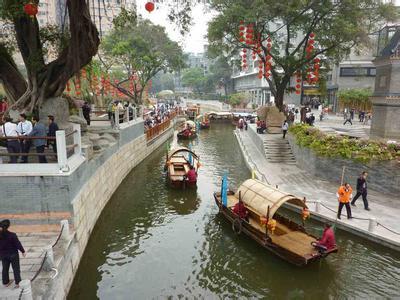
(345, 147)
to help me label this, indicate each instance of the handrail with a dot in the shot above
(21, 137)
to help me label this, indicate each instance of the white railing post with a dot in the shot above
(62, 151)
(134, 113)
(80, 112)
(49, 261)
(317, 206)
(26, 289)
(65, 230)
(127, 114)
(77, 139)
(372, 224)
(117, 118)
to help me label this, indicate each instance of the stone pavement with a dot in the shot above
(291, 179)
(33, 243)
(333, 124)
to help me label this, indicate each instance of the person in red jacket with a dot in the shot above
(327, 242)
(240, 210)
(191, 175)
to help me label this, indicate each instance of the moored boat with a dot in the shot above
(264, 224)
(180, 162)
(204, 122)
(189, 131)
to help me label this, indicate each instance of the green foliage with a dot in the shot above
(339, 27)
(238, 99)
(355, 97)
(141, 48)
(344, 147)
(194, 78)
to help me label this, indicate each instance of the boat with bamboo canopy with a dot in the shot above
(188, 132)
(264, 223)
(178, 163)
(204, 122)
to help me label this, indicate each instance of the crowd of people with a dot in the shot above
(19, 137)
(158, 114)
(363, 116)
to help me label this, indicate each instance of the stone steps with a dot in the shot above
(278, 150)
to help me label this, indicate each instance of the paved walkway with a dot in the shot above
(33, 243)
(290, 178)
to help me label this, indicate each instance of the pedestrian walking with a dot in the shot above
(39, 130)
(24, 128)
(344, 195)
(361, 190)
(9, 129)
(53, 128)
(348, 119)
(285, 128)
(9, 246)
(86, 112)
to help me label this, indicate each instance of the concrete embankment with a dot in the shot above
(78, 196)
(379, 225)
(88, 204)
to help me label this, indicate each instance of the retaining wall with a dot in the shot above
(94, 194)
(383, 176)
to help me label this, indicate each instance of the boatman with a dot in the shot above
(191, 175)
(344, 195)
(240, 210)
(327, 242)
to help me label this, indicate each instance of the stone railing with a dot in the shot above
(69, 156)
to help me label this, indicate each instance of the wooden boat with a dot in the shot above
(178, 164)
(220, 116)
(204, 122)
(287, 239)
(189, 131)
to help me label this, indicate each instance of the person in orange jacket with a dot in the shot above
(344, 195)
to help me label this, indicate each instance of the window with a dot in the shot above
(357, 72)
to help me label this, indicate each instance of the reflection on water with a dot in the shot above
(156, 242)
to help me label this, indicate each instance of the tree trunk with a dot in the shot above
(48, 80)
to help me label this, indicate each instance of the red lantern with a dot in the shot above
(31, 9)
(298, 92)
(298, 80)
(312, 35)
(269, 45)
(241, 28)
(241, 40)
(269, 40)
(298, 86)
(149, 6)
(244, 50)
(260, 76)
(241, 33)
(268, 57)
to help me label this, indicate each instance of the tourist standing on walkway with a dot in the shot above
(9, 129)
(86, 112)
(361, 190)
(9, 246)
(344, 195)
(285, 128)
(24, 128)
(39, 130)
(53, 127)
(348, 119)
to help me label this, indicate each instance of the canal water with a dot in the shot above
(154, 242)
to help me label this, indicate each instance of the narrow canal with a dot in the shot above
(153, 242)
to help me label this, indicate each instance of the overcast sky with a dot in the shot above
(195, 40)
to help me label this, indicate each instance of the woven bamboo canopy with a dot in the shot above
(259, 196)
(182, 149)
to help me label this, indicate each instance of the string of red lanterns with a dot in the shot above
(268, 59)
(298, 82)
(149, 6)
(31, 9)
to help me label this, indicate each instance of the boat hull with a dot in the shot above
(186, 137)
(265, 241)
